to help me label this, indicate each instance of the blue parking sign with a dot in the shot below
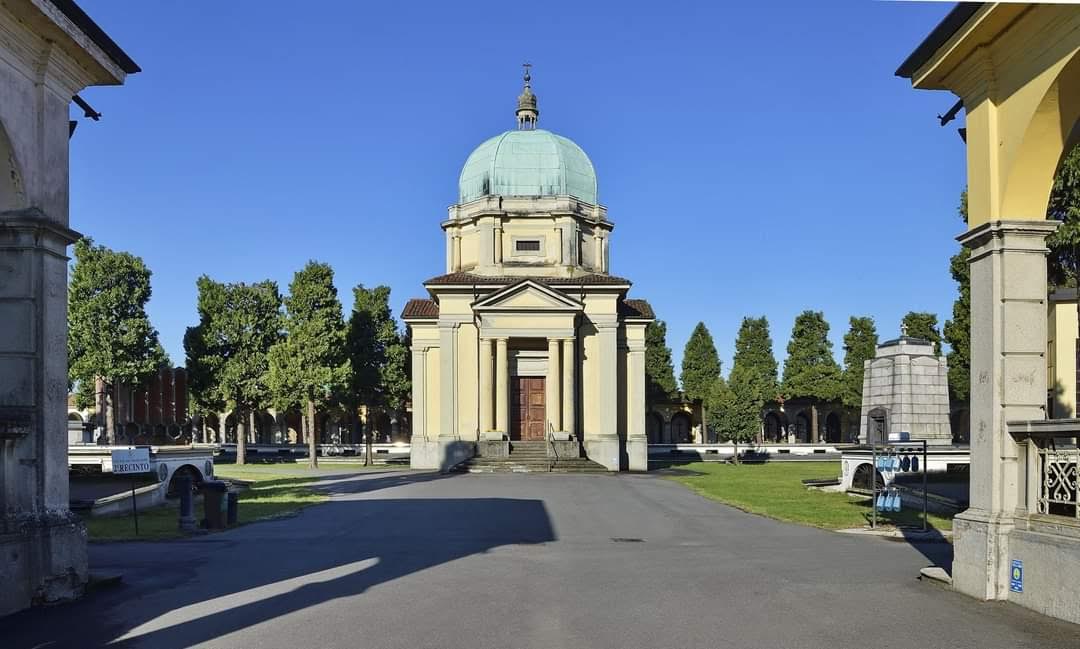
(1016, 577)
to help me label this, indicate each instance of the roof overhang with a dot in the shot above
(965, 28)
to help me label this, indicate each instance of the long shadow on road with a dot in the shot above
(180, 594)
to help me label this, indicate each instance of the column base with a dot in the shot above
(637, 453)
(442, 454)
(47, 560)
(604, 450)
(981, 564)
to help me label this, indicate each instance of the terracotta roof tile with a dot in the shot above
(636, 309)
(469, 278)
(420, 309)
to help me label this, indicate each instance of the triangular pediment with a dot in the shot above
(527, 295)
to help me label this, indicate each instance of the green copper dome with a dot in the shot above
(529, 162)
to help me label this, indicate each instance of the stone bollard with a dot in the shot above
(232, 499)
(187, 504)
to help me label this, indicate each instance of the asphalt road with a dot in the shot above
(406, 560)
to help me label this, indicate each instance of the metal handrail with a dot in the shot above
(554, 451)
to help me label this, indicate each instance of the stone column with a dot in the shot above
(448, 376)
(569, 396)
(1008, 383)
(502, 387)
(637, 442)
(602, 445)
(486, 396)
(419, 395)
(554, 385)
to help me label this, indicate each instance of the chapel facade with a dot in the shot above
(527, 337)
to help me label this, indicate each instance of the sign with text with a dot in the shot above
(131, 460)
(1016, 579)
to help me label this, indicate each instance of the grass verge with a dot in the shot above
(775, 490)
(275, 490)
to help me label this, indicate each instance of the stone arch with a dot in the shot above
(264, 427)
(74, 416)
(680, 428)
(12, 193)
(1035, 158)
(833, 428)
(773, 426)
(380, 425)
(803, 425)
(654, 427)
(861, 479)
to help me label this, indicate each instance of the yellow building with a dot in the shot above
(1016, 68)
(1061, 354)
(528, 341)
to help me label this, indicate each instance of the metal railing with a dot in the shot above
(1050, 466)
(554, 450)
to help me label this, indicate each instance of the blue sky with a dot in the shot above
(758, 158)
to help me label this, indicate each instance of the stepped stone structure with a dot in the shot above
(528, 337)
(49, 51)
(906, 389)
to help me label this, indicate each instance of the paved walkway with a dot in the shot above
(406, 560)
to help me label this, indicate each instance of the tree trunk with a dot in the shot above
(110, 412)
(814, 439)
(735, 442)
(368, 441)
(241, 437)
(313, 450)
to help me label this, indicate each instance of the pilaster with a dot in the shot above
(1008, 383)
(569, 370)
(637, 442)
(553, 384)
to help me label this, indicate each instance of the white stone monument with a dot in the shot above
(906, 389)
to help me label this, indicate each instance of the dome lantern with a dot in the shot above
(527, 112)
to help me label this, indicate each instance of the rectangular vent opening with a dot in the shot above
(527, 245)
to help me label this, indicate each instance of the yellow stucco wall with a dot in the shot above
(1061, 358)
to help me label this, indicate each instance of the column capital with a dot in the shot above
(1030, 234)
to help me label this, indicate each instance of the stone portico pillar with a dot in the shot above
(487, 397)
(502, 387)
(554, 385)
(1008, 383)
(569, 413)
(637, 442)
(602, 445)
(419, 392)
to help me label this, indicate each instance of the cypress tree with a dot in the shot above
(810, 370)
(957, 331)
(659, 372)
(860, 344)
(700, 364)
(921, 324)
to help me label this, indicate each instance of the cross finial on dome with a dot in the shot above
(527, 112)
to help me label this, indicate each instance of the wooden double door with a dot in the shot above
(528, 409)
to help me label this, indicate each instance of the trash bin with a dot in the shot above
(213, 503)
(232, 499)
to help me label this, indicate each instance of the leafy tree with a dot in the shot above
(228, 351)
(920, 324)
(734, 412)
(109, 333)
(810, 370)
(309, 366)
(379, 355)
(957, 331)
(1064, 206)
(659, 372)
(860, 345)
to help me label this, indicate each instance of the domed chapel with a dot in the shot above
(528, 341)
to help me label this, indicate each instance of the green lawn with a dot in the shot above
(775, 490)
(276, 490)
